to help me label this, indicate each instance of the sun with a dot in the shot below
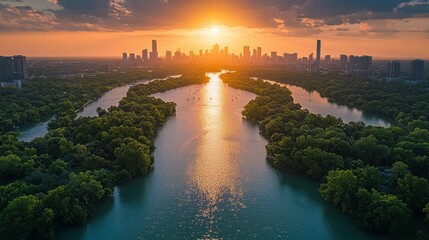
(214, 31)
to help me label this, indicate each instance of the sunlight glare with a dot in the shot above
(214, 31)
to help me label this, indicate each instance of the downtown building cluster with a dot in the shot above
(348, 64)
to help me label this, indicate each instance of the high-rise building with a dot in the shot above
(327, 58)
(145, 55)
(124, 56)
(13, 68)
(6, 69)
(246, 52)
(343, 60)
(168, 55)
(290, 57)
(215, 50)
(154, 55)
(363, 63)
(319, 49)
(311, 57)
(417, 69)
(20, 68)
(394, 68)
(132, 56)
(274, 57)
(259, 49)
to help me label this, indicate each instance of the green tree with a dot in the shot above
(341, 188)
(26, 218)
(134, 157)
(381, 212)
(11, 167)
(414, 191)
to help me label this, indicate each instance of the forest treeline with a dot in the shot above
(40, 99)
(377, 175)
(401, 101)
(57, 180)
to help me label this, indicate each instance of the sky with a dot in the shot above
(382, 28)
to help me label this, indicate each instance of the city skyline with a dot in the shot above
(104, 28)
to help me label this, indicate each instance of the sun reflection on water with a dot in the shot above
(215, 174)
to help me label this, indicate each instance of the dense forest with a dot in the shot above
(57, 180)
(401, 101)
(377, 175)
(40, 99)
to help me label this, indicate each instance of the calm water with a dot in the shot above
(319, 105)
(211, 181)
(108, 99)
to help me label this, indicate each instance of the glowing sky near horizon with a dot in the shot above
(394, 28)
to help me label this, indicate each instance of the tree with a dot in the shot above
(341, 188)
(414, 191)
(134, 157)
(381, 212)
(11, 167)
(370, 151)
(26, 218)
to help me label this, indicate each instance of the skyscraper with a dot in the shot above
(246, 52)
(327, 58)
(343, 60)
(215, 50)
(132, 56)
(154, 54)
(417, 69)
(6, 69)
(311, 57)
(124, 56)
(168, 55)
(20, 68)
(319, 49)
(145, 55)
(394, 69)
(259, 49)
(274, 57)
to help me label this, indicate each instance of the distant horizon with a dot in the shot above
(119, 57)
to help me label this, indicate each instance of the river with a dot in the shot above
(313, 102)
(211, 181)
(108, 99)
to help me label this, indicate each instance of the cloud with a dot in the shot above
(287, 17)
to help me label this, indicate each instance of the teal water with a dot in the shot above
(313, 102)
(107, 100)
(211, 181)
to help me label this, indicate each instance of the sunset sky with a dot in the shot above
(382, 28)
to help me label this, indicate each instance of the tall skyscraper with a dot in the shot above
(154, 55)
(215, 50)
(20, 68)
(394, 69)
(274, 57)
(132, 56)
(343, 60)
(311, 58)
(319, 49)
(168, 55)
(145, 55)
(124, 56)
(417, 69)
(6, 69)
(259, 49)
(246, 52)
(13, 68)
